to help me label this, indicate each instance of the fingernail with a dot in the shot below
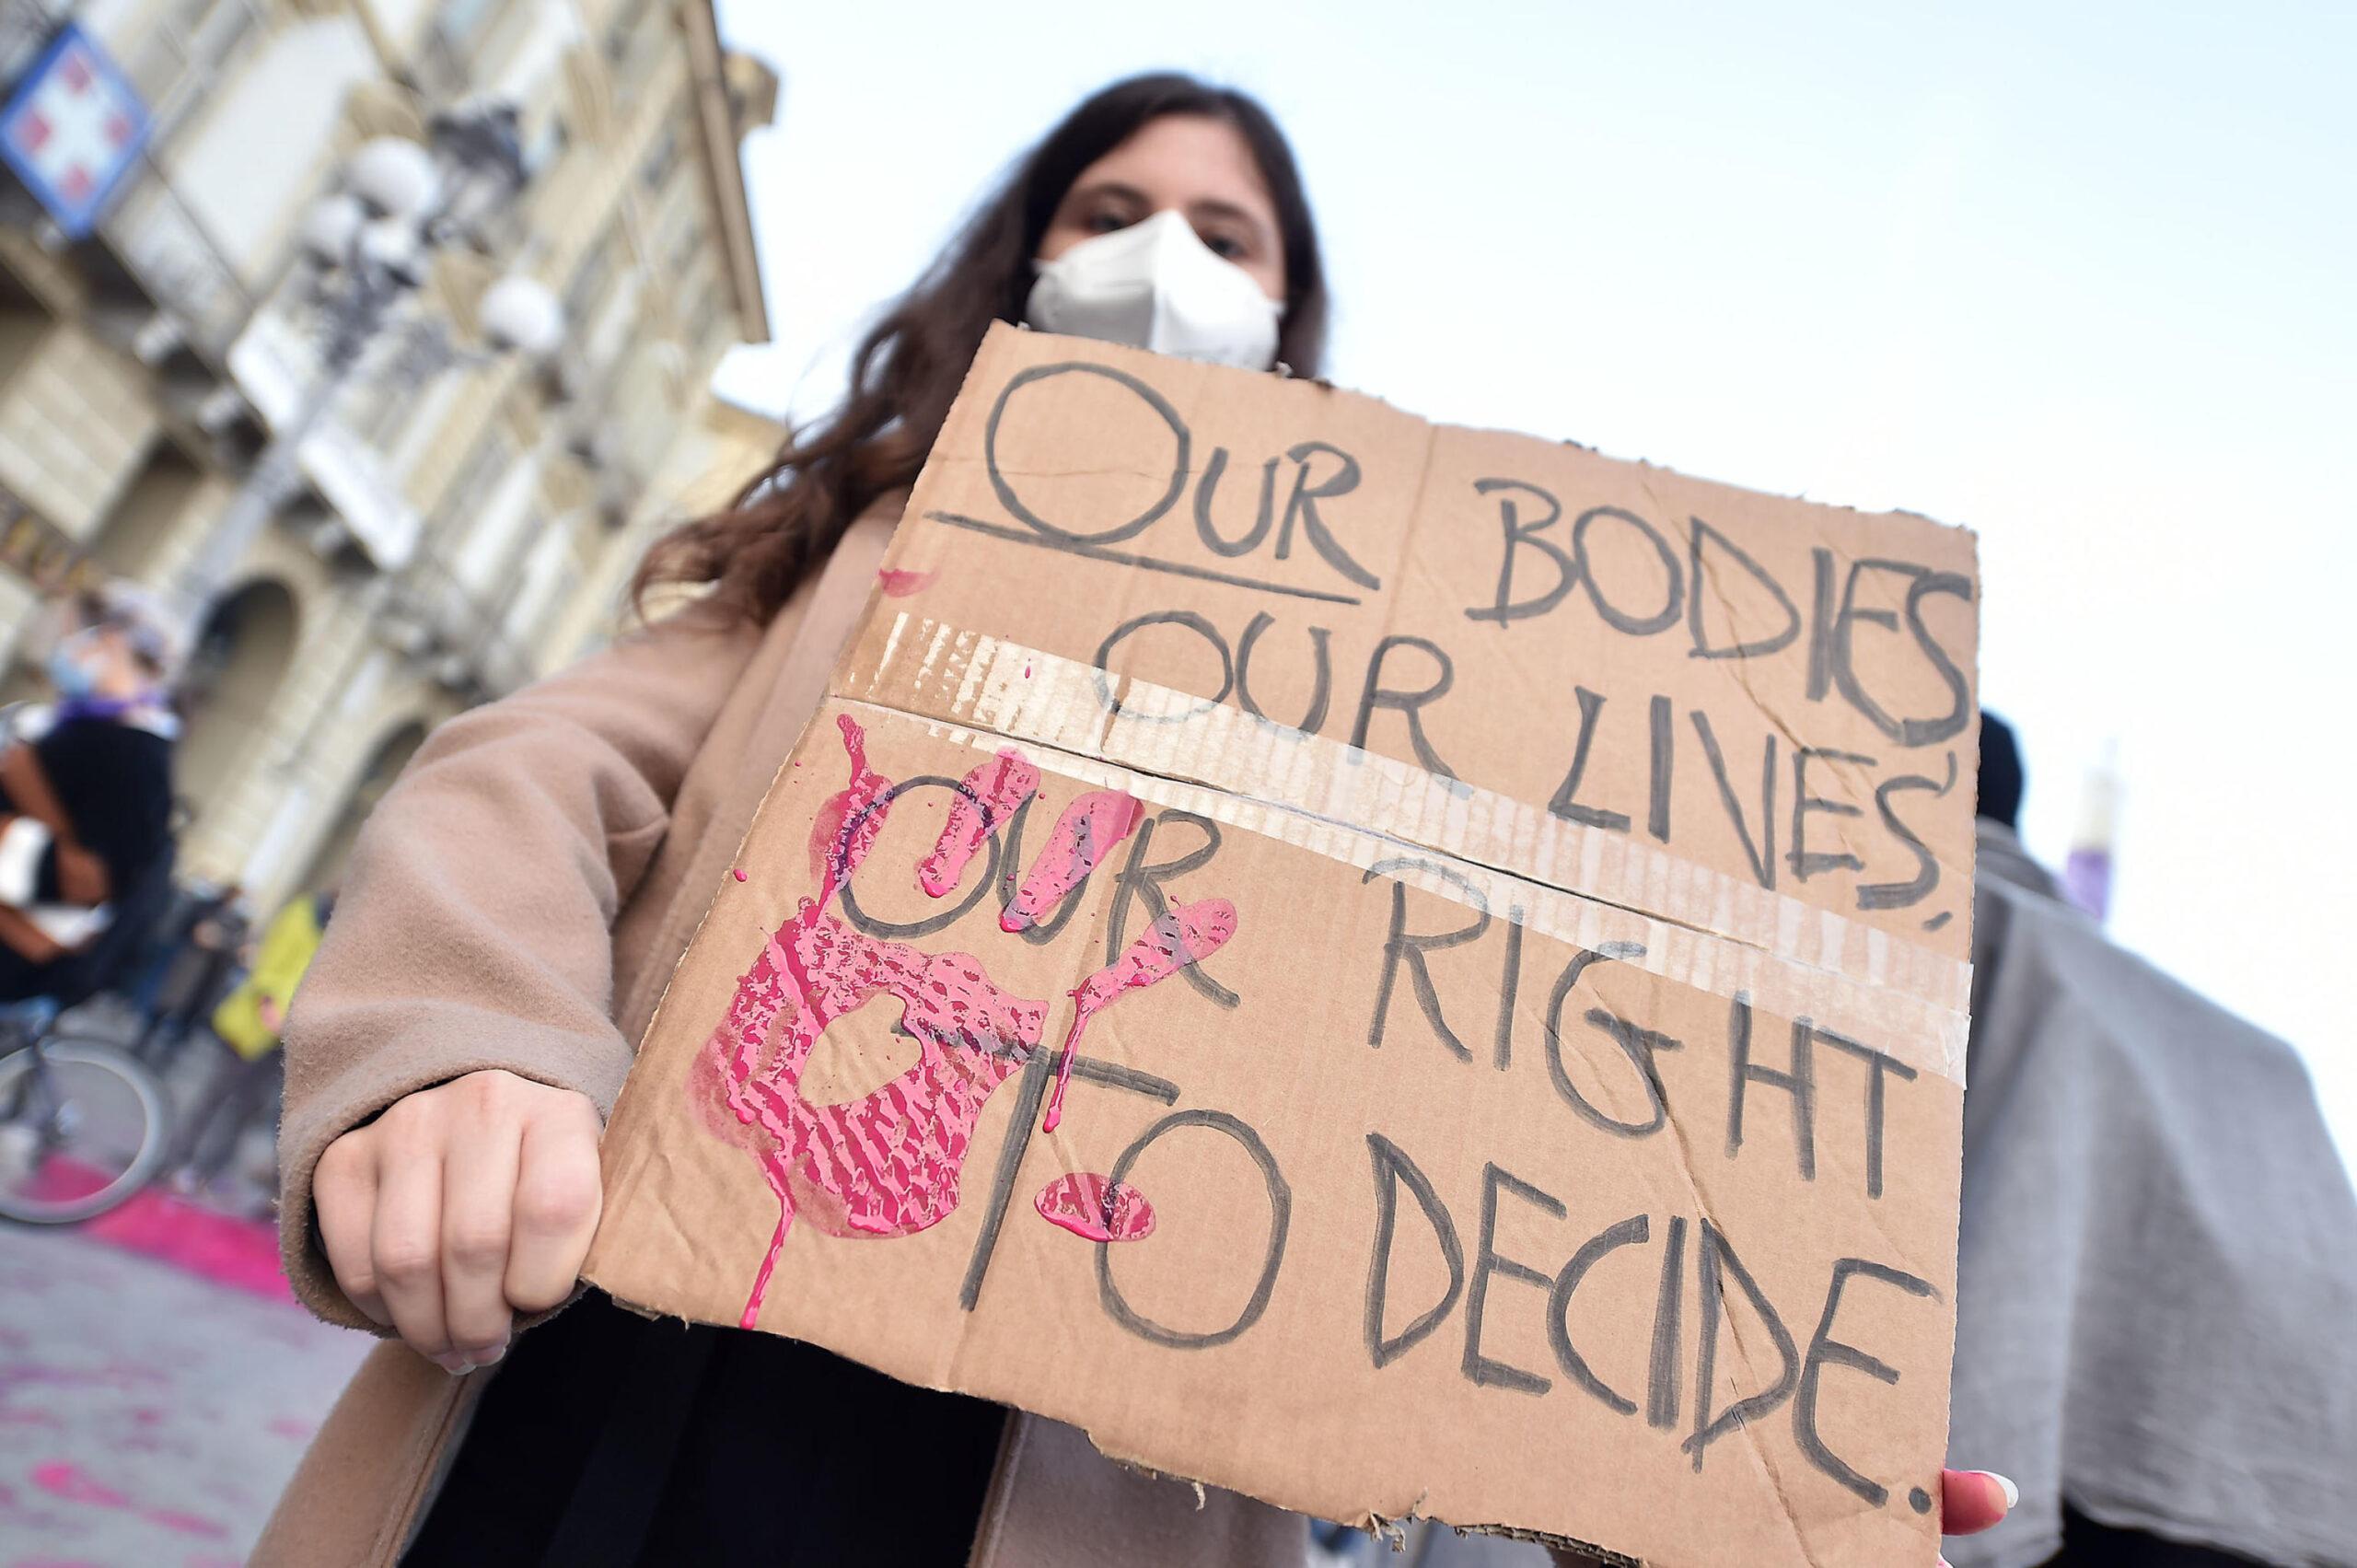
(453, 1363)
(493, 1356)
(2012, 1493)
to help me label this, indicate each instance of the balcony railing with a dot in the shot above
(163, 243)
(164, 247)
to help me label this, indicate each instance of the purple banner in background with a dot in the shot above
(2086, 880)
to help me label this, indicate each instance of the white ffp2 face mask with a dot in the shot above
(1155, 286)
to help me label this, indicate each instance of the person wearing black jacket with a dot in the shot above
(85, 798)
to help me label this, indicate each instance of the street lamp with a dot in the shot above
(329, 226)
(394, 175)
(520, 314)
(369, 245)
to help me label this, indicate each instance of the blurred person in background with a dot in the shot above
(189, 968)
(249, 1025)
(519, 898)
(2157, 1273)
(141, 985)
(85, 798)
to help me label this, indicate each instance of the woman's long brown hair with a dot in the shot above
(908, 369)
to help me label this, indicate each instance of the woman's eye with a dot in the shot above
(1225, 247)
(1104, 222)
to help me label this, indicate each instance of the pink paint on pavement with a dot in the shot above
(241, 1254)
(900, 582)
(72, 1484)
(987, 797)
(1084, 833)
(1095, 1209)
(186, 1524)
(1183, 935)
(292, 1426)
(889, 1163)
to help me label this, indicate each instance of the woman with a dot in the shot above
(248, 1026)
(521, 897)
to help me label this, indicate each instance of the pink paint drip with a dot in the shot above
(988, 795)
(1184, 934)
(900, 582)
(889, 1164)
(738, 875)
(1095, 1208)
(859, 807)
(1084, 833)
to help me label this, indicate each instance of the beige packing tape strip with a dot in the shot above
(1699, 927)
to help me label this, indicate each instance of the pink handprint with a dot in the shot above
(889, 1164)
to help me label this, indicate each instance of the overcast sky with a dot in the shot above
(2078, 278)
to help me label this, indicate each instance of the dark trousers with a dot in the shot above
(2086, 1544)
(237, 1091)
(609, 1440)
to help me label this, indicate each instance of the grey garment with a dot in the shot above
(2157, 1297)
(1429, 1545)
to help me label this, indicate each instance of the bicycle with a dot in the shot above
(83, 1124)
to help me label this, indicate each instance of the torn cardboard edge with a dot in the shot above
(1385, 1527)
(1391, 1528)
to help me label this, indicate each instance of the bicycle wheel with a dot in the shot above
(82, 1127)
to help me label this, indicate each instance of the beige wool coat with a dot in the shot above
(519, 901)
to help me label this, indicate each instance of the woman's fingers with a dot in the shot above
(344, 1195)
(558, 1198)
(1972, 1501)
(479, 1161)
(405, 1244)
(459, 1207)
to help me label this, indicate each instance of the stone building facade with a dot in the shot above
(465, 519)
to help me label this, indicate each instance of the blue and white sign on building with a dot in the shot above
(72, 127)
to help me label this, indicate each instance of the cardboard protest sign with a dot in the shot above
(1402, 971)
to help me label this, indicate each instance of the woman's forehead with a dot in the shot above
(1178, 158)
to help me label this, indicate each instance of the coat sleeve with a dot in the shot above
(475, 928)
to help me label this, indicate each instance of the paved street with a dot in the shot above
(149, 1412)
